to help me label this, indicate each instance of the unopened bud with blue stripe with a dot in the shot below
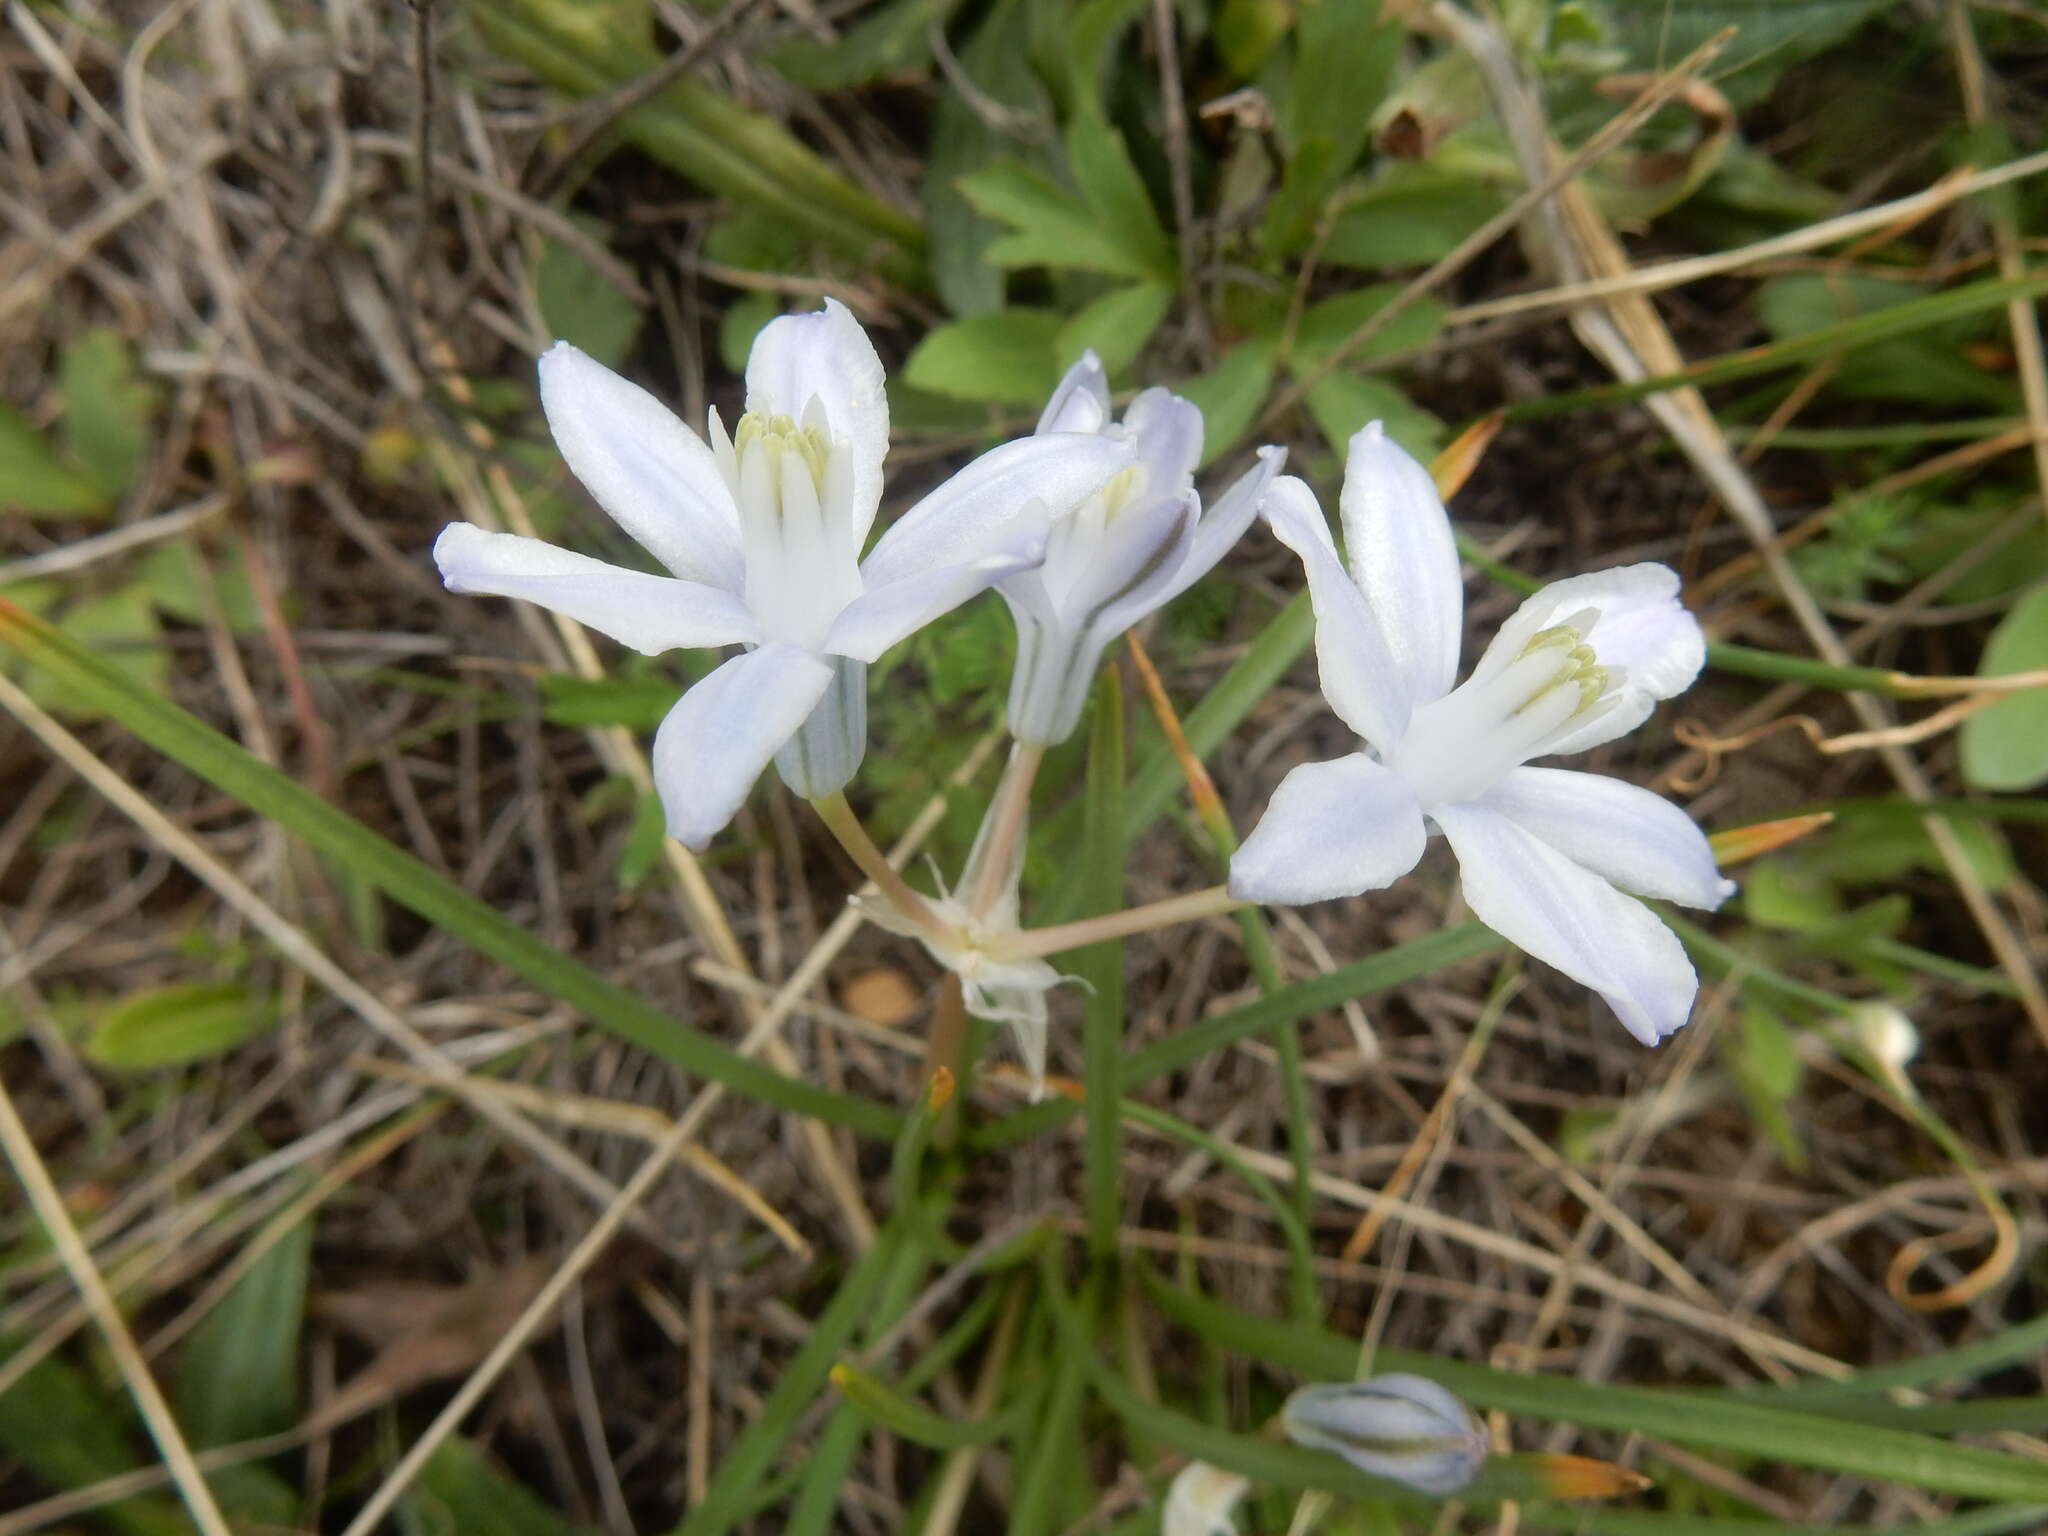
(1406, 1429)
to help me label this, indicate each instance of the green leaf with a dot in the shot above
(1770, 36)
(703, 135)
(1089, 32)
(1343, 402)
(380, 864)
(34, 479)
(1005, 357)
(891, 39)
(71, 1433)
(1327, 326)
(1049, 226)
(238, 1377)
(638, 703)
(1344, 58)
(1767, 1069)
(171, 574)
(461, 1490)
(963, 142)
(905, 1416)
(1117, 325)
(107, 408)
(1246, 31)
(581, 305)
(1116, 195)
(1230, 394)
(121, 628)
(1411, 214)
(2005, 745)
(173, 1026)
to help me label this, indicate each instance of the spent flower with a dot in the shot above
(1545, 854)
(761, 531)
(1140, 540)
(971, 938)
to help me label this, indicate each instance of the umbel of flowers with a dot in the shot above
(1087, 526)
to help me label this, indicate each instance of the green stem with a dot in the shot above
(1102, 967)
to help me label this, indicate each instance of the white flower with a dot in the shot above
(1202, 1501)
(1140, 541)
(1402, 1427)
(1541, 851)
(761, 532)
(995, 985)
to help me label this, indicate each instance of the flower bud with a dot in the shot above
(1403, 1428)
(1202, 1501)
(1886, 1033)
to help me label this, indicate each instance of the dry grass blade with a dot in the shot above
(156, 1413)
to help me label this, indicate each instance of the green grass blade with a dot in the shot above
(1376, 973)
(749, 1459)
(1101, 968)
(1579, 1521)
(1727, 1423)
(903, 1415)
(187, 740)
(1843, 336)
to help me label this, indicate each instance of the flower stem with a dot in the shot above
(840, 820)
(1006, 825)
(1034, 943)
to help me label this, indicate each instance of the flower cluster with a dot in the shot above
(1085, 527)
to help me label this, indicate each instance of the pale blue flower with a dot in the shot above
(761, 532)
(1124, 552)
(1545, 854)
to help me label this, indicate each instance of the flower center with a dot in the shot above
(793, 484)
(1074, 546)
(1512, 708)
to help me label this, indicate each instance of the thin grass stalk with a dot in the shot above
(1101, 966)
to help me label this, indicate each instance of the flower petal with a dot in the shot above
(1624, 834)
(826, 356)
(653, 475)
(651, 614)
(1333, 829)
(721, 734)
(1562, 912)
(885, 614)
(1642, 627)
(1128, 568)
(1397, 541)
(977, 509)
(1225, 520)
(1081, 402)
(1168, 433)
(1358, 674)
(1013, 993)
